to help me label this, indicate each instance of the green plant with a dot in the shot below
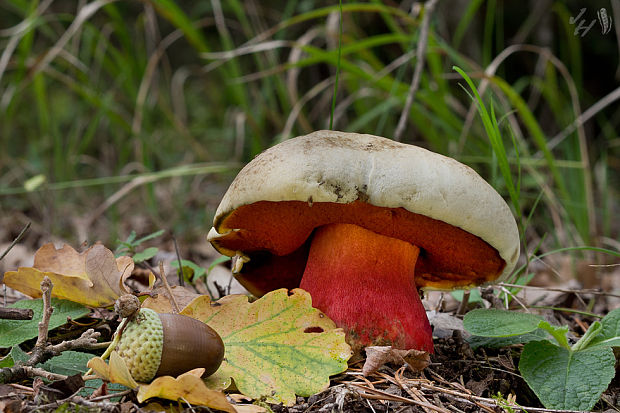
(193, 271)
(131, 244)
(562, 375)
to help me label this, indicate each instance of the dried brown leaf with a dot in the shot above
(92, 277)
(378, 356)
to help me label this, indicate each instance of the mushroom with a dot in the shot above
(362, 223)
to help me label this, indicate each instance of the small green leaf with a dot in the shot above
(474, 295)
(499, 323)
(219, 260)
(565, 379)
(191, 270)
(13, 332)
(145, 255)
(593, 331)
(610, 332)
(149, 237)
(68, 363)
(559, 333)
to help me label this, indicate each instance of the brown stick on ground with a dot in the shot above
(7, 313)
(46, 290)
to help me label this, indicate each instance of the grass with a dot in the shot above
(136, 115)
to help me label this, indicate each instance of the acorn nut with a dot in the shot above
(154, 344)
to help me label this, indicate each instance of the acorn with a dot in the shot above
(153, 345)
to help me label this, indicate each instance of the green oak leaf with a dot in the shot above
(13, 332)
(499, 323)
(276, 347)
(566, 379)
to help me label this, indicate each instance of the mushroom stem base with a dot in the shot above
(365, 283)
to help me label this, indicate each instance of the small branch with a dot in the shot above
(15, 241)
(46, 290)
(173, 300)
(464, 302)
(42, 350)
(39, 372)
(417, 71)
(88, 340)
(99, 405)
(16, 313)
(181, 276)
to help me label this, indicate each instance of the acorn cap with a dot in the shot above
(141, 345)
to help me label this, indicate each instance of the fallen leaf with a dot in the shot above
(188, 387)
(93, 277)
(115, 372)
(162, 304)
(62, 389)
(276, 347)
(377, 356)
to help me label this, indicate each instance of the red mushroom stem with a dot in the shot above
(365, 283)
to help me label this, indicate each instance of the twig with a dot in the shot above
(46, 290)
(7, 313)
(162, 273)
(561, 290)
(417, 72)
(39, 372)
(464, 302)
(87, 340)
(414, 393)
(15, 241)
(100, 405)
(176, 249)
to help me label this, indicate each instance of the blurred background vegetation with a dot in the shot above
(136, 115)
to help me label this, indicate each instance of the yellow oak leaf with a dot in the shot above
(115, 372)
(276, 347)
(189, 388)
(93, 278)
(162, 303)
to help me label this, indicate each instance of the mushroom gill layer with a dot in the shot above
(365, 283)
(275, 236)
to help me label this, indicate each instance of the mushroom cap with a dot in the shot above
(339, 167)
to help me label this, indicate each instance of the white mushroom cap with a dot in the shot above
(340, 167)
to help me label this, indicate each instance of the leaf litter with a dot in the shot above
(485, 379)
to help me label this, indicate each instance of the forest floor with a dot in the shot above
(458, 378)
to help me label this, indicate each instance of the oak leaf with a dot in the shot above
(377, 356)
(276, 347)
(115, 372)
(188, 387)
(162, 302)
(93, 278)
